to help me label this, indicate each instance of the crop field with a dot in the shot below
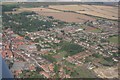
(67, 16)
(94, 10)
(67, 7)
(34, 9)
(108, 12)
(38, 9)
(58, 15)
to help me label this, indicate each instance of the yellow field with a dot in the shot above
(95, 10)
(38, 9)
(66, 7)
(33, 9)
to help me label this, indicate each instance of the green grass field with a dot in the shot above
(113, 39)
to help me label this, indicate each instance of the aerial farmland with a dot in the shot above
(60, 40)
(95, 10)
(75, 13)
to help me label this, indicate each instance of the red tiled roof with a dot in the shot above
(45, 74)
(51, 67)
(67, 76)
(32, 67)
(3, 54)
(9, 53)
(17, 72)
(43, 67)
(8, 45)
(61, 69)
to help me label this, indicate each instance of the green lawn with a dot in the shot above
(113, 39)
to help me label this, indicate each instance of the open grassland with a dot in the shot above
(108, 12)
(113, 39)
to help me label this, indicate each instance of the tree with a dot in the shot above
(108, 58)
(36, 40)
(38, 47)
(26, 37)
(51, 17)
(72, 49)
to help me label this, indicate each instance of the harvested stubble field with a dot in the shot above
(95, 10)
(38, 9)
(68, 17)
(109, 12)
(33, 9)
(59, 15)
